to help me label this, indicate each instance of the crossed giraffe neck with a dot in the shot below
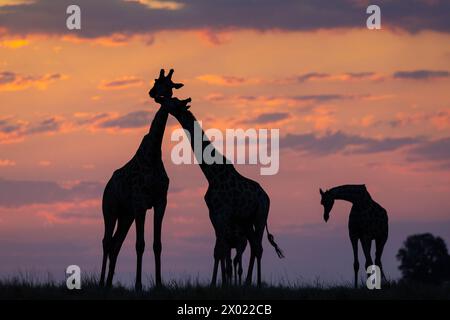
(236, 205)
(212, 171)
(354, 193)
(150, 147)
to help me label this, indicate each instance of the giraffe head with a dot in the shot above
(327, 201)
(163, 87)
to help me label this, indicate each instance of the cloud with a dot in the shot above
(438, 119)
(6, 126)
(121, 83)
(49, 125)
(268, 117)
(135, 119)
(348, 76)
(78, 211)
(7, 163)
(11, 81)
(214, 38)
(146, 16)
(371, 76)
(340, 142)
(323, 97)
(322, 118)
(14, 43)
(12, 130)
(14, 2)
(15, 193)
(220, 80)
(44, 163)
(304, 101)
(434, 150)
(15, 130)
(224, 80)
(421, 74)
(162, 5)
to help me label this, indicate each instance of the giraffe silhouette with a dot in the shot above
(139, 185)
(367, 221)
(235, 203)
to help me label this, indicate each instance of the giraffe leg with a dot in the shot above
(258, 254)
(218, 257)
(140, 247)
(259, 233)
(157, 247)
(379, 246)
(252, 240)
(224, 272)
(229, 267)
(239, 252)
(355, 259)
(366, 246)
(124, 225)
(235, 269)
(240, 270)
(214, 278)
(110, 223)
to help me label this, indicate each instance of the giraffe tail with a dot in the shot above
(274, 244)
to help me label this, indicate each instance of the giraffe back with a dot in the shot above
(368, 220)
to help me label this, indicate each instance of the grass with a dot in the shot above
(26, 288)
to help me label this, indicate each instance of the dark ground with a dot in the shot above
(25, 289)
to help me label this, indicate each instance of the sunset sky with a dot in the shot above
(352, 105)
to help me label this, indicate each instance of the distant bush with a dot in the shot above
(424, 258)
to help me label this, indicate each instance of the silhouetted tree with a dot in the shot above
(424, 258)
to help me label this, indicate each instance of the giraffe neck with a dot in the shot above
(351, 193)
(150, 148)
(215, 171)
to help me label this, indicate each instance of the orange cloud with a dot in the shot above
(214, 37)
(440, 119)
(44, 163)
(14, 2)
(11, 81)
(7, 163)
(160, 5)
(121, 83)
(344, 77)
(114, 40)
(83, 212)
(285, 101)
(64, 212)
(14, 43)
(321, 118)
(220, 80)
(12, 130)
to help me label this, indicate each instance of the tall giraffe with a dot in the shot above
(367, 221)
(234, 201)
(139, 185)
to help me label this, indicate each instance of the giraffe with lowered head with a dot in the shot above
(367, 221)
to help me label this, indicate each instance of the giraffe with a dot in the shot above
(234, 201)
(367, 221)
(139, 185)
